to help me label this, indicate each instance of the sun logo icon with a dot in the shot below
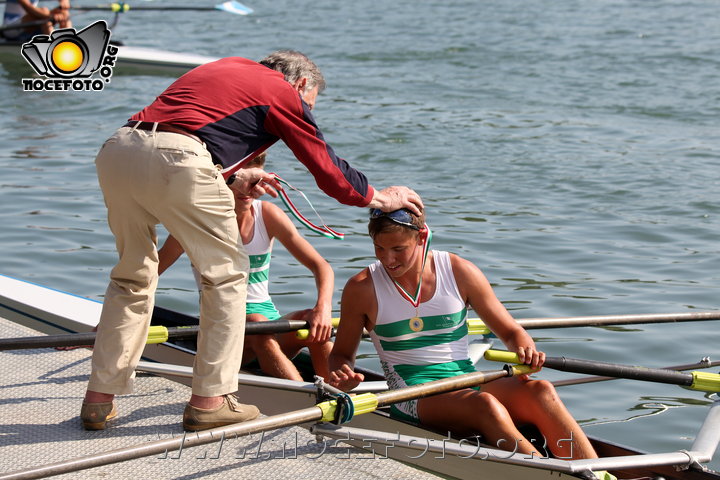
(67, 57)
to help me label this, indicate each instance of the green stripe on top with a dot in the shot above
(257, 261)
(435, 322)
(258, 277)
(421, 341)
(414, 374)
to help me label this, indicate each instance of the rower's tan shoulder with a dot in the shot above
(460, 264)
(363, 279)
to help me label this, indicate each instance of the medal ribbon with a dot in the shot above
(323, 230)
(415, 299)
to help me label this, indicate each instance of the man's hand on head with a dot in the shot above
(394, 198)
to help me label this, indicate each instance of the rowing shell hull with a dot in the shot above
(54, 312)
(130, 60)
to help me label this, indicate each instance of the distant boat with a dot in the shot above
(130, 60)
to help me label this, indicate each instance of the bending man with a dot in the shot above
(170, 164)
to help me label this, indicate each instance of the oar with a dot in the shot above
(704, 363)
(703, 381)
(157, 334)
(601, 320)
(477, 327)
(327, 411)
(230, 6)
(20, 26)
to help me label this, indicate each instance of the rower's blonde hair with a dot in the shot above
(257, 162)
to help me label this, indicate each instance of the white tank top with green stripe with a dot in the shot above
(412, 351)
(259, 250)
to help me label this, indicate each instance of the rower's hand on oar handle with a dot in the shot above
(531, 356)
(320, 322)
(345, 378)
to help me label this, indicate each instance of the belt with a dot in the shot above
(162, 127)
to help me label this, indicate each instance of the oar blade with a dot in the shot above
(232, 6)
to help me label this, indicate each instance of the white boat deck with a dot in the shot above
(40, 396)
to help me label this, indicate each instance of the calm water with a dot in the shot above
(569, 148)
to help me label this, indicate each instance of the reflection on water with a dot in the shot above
(651, 406)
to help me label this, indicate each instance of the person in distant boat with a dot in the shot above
(177, 162)
(260, 224)
(414, 301)
(28, 11)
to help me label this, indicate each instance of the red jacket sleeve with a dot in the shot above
(291, 120)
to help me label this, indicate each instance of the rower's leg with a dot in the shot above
(471, 412)
(537, 402)
(270, 356)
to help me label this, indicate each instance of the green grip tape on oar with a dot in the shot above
(501, 356)
(363, 403)
(509, 358)
(477, 327)
(119, 7)
(522, 369)
(304, 333)
(705, 381)
(157, 334)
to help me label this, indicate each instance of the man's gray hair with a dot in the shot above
(294, 66)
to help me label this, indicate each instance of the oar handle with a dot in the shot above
(304, 333)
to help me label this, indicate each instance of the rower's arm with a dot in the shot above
(34, 11)
(280, 226)
(353, 319)
(476, 289)
(169, 253)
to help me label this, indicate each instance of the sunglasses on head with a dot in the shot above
(401, 217)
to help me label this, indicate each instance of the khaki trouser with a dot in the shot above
(147, 178)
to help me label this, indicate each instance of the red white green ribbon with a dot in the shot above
(323, 230)
(415, 299)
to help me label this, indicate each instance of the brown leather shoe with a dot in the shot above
(94, 416)
(229, 412)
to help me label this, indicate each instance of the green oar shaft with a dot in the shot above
(709, 382)
(157, 334)
(324, 411)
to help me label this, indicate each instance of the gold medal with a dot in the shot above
(416, 324)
